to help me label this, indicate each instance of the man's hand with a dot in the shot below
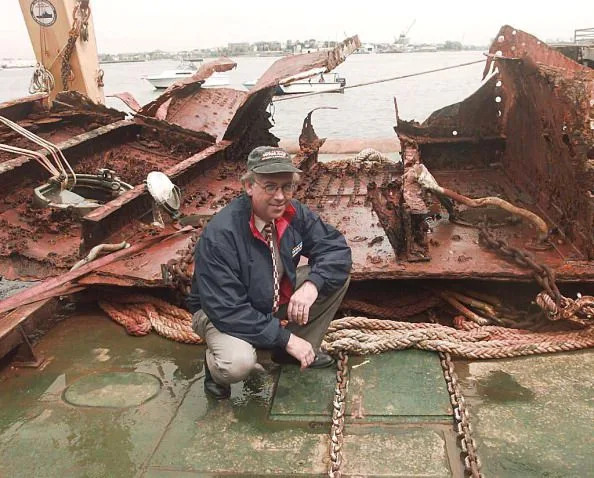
(301, 301)
(301, 349)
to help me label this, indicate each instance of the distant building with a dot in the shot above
(366, 48)
(238, 48)
(264, 46)
(159, 55)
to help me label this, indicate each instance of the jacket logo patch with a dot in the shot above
(297, 249)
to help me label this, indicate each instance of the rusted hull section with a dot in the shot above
(231, 114)
(41, 242)
(548, 111)
(70, 115)
(301, 66)
(525, 136)
(175, 134)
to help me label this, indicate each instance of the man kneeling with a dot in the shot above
(246, 278)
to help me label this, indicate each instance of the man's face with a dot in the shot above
(266, 204)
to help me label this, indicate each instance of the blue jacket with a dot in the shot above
(233, 280)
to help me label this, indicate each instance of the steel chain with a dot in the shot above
(66, 71)
(472, 463)
(178, 271)
(543, 274)
(550, 300)
(338, 415)
(80, 21)
(84, 11)
(84, 29)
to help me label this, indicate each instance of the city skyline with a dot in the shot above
(141, 25)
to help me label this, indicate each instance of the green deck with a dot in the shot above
(110, 405)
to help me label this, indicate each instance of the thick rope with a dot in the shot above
(579, 311)
(140, 313)
(97, 250)
(371, 325)
(127, 317)
(42, 80)
(370, 154)
(358, 335)
(422, 175)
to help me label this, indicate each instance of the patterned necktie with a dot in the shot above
(270, 241)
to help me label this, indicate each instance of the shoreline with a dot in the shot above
(347, 145)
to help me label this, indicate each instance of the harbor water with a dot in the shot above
(365, 112)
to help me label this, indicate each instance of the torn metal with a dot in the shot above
(525, 136)
(183, 133)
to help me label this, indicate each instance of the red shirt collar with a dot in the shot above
(280, 224)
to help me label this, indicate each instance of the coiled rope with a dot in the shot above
(580, 311)
(370, 154)
(140, 313)
(42, 80)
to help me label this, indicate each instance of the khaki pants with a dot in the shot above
(231, 359)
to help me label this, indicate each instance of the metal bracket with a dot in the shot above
(25, 355)
(166, 275)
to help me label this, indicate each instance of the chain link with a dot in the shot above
(66, 70)
(85, 13)
(338, 415)
(472, 463)
(80, 24)
(100, 75)
(543, 274)
(179, 270)
(550, 300)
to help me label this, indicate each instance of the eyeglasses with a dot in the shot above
(271, 188)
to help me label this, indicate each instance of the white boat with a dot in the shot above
(166, 78)
(324, 82)
(330, 82)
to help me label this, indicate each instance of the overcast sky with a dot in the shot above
(143, 25)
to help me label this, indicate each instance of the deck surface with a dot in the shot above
(147, 415)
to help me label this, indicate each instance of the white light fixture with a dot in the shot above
(165, 194)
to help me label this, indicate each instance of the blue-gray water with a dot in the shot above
(364, 112)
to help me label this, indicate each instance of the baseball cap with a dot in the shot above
(269, 160)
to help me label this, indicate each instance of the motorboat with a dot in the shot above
(184, 70)
(322, 82)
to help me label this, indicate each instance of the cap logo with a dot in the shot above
(273, 155)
